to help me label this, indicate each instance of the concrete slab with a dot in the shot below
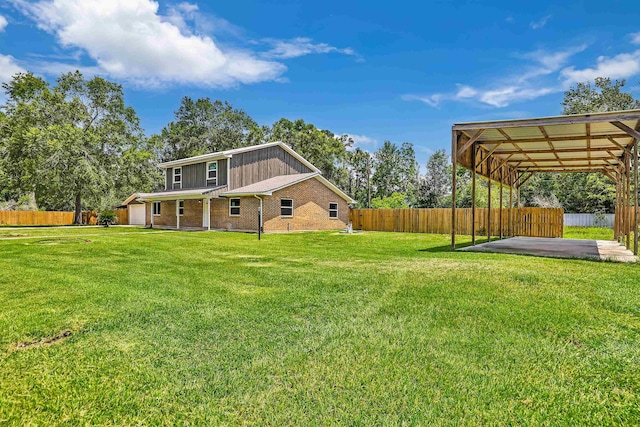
(558, 248)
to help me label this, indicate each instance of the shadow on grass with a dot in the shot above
(447, 248)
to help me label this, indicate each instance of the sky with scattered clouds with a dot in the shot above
(398, 71)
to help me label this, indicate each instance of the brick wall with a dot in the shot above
(311, 201)
(247, 221)
(192, 214)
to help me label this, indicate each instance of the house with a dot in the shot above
(226, 191)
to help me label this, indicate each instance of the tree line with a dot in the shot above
(76, 145)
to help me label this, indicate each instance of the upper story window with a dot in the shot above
(177, 176)
(234, 207)
(286, 207)
(333, 210)
(212, 172)
(156, 208)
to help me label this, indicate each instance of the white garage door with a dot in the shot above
(136, 214)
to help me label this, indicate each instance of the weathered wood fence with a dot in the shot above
(35, 218)
(532, 222)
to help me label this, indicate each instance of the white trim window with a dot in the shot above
(181, 207)
(234, 207)
(333, 210)
(156, 208)
(212, 172)
(286, 207)
(177, 176)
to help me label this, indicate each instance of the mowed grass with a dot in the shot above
(309, 329)
(588, 233)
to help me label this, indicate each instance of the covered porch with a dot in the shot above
(187, 210)
(508, 153)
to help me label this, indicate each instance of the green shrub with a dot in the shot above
(107, 218)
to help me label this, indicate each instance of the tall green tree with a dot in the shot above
(435, 184)
(203, 126)
(72, 143)
(359, 166)
(396, 171)
(601, 96)
(321, 147)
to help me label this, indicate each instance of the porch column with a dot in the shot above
(208, 214)
(177, 214)
(151, 213)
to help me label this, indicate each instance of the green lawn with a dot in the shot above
(309, 329)
(589, 233)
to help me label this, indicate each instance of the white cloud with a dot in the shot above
(3, 23)
(129, 40)
(536, 25)
(504, 96)
(362, 139)
(300, 46)
(526, 85)
(619, 66)
(9, 67)
(635, 37)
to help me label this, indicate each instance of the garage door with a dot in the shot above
(136, 214)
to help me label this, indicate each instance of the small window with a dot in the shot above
(181, 207)
(234, 207)
(212, 172)
(286, 207)
(156, 208)
(333, 210)
(177, 176)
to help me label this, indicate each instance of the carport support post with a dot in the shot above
(454, 161)
(635, 191)
(489, 203)
(510, 207)
(500, 216)
(628, 204)
(473, 195)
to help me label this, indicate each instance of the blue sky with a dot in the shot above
(398, 71)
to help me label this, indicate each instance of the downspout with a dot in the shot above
(259, 213)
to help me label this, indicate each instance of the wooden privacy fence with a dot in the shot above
(531, 222)
(123, 216)
(35, 218)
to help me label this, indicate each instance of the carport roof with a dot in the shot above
(577, 143)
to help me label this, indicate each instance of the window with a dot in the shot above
(286, 207)
(212, 172)
(333, 210)
(234, 207)
(156, 208)
(181, 207)
(177, 176)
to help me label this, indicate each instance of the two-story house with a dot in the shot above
(226, 191)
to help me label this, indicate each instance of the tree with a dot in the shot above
(203, 126)
(321, 147)
(359, 176)
(396, 171)
(435, 184)
(600, 97)
(394, 201)
(73, 143)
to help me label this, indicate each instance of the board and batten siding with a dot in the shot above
(264, 163)
(195, 176)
